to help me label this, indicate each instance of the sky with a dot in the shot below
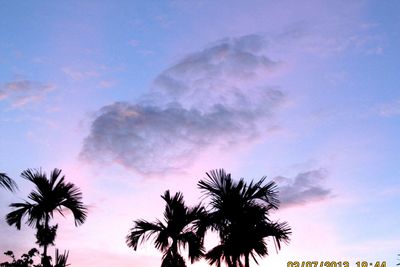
(131, 98)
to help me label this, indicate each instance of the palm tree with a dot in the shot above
(52, 194)
(178, 230)
(7, 182)
(239, 213)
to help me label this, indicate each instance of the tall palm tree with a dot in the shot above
(178, 230)
(7, 182)
(239, 213)
(51, 195)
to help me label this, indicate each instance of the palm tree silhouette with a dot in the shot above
(7, 182)
(179, 229)
(51, 194)
(239, 213)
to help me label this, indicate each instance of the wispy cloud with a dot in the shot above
(389, 109)
(163, 20)
(77, 75)
(133, 42)
(23, 92)
(215, 97)
(107, 83)
(303, 188)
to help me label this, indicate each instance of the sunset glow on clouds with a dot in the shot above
(132, 98)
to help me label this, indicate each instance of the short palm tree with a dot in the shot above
(178, 230)
(239, 213)
(51, 195)
(7, 182)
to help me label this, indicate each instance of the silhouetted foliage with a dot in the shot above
(178, 230)
(171, 260)
(239, 213)
(45, 236)
(7, 183)
(61, 259)
(51, 194)
(26, 259)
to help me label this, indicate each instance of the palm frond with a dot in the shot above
(36, 176)
(279, 232)
(15, 217)
(142, 231)
(175, 208)
(61, 259)
(239, 213)
(54, 176)
(7, 183)
(267, 193)
(179, 229)
(71, 198)
(216, 255)
(194, 243)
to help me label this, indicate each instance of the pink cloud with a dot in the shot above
(78, 75)
(23, 92)
(107, 84)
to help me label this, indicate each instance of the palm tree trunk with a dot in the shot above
(45, 258)
(174, 247)
(246, 260)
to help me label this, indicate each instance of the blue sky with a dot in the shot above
(131, 98)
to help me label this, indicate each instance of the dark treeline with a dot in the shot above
(238, 211)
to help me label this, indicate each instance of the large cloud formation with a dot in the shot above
(303, 188)
(215, 97)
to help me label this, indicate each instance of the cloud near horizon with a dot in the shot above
(303, 188)
(215, 97)
(23, 92)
